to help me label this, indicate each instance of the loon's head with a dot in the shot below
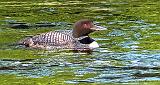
(83, 28)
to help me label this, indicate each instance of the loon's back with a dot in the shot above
(54, 39)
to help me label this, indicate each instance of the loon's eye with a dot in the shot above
(86, 40)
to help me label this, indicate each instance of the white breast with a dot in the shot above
(93, 45)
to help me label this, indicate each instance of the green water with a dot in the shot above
(129, 50)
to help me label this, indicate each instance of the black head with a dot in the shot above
(84, 27)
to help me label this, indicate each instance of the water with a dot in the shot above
(129, 48)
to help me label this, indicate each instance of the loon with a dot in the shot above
(78, 38)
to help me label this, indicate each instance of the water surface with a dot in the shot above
(129, 48)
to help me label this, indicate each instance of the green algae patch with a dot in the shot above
(14, 80)
(58, 80)
(19, 54)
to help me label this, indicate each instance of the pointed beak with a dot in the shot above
(98, 28)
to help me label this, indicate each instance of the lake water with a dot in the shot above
(129, 51)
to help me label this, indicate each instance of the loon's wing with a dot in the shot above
(53, 38)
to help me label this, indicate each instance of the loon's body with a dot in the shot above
(69, 39)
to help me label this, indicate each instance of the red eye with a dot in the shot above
(86, 25)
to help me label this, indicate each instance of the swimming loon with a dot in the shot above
(78, 38)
